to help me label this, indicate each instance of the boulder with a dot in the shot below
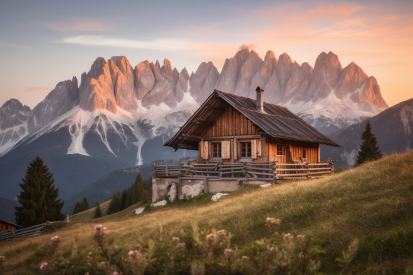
(191, 191)
(139, 210)
(217, 196)
(159, 203)
(172, 193)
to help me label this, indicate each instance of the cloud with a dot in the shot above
(168, 44)
(252, 46)
(13, 45)
(81, 26)
(38, 89)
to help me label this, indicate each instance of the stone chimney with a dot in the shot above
(260, 99)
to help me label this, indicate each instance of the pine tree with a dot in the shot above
(129, 198)
(85, 204)
(98, 212)
(39, 197)
(369, 149)
(115, 204)
(78, 208)
(124, 199)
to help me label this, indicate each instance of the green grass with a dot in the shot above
(373, 203)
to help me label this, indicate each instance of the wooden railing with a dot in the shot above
(166, 170)
(300, 170)
(262, 171)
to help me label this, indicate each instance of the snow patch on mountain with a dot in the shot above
(11, 136)
(338, 112)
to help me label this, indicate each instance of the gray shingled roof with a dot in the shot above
(276, 121)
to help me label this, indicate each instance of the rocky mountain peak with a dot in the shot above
(157, 64)
(97, 67)
(184, 72)
(284, 60)
(269, 56)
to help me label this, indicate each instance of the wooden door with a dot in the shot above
(288, 155)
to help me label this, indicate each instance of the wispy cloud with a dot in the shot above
(13, 45)
(84, 26)
(38, 89)
(168, 44)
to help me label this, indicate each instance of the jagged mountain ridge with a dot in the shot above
(328, 96)
(392, 127)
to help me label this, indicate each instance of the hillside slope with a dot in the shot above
(373, 203)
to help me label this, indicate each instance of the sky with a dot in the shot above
(45, 42)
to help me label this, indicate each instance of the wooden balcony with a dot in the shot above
(252, 171)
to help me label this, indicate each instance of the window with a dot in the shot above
(246, 149)
(280, 150)
(216, 150)
(304, 153)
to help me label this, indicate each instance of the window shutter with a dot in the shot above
(204, 149)
(254, 149)
(259, 148)
(226, 149)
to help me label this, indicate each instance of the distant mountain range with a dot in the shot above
(120, 116)
(7, 209)
(392, 127)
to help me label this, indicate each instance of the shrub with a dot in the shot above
(191, 252)
(98, 212)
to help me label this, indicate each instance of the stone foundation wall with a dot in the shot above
(160, 187)
(194, 187)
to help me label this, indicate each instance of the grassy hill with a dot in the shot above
(373, 203)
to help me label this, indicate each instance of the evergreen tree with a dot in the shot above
(38, 198)
(369, 149)
(115, 204)
(78, 208)
(129, 198)
(124, 198)
(98, 212)
(85, 204)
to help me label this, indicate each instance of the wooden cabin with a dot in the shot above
(231, 129)
(5, 225)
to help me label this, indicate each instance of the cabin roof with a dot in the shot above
(10, 223)
(276, 121)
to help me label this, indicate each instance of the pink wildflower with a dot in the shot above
(245, 258)
(131, 253)
(175, 239)
(180, 245)
(211, 237)
(228, 252)
(115, 273)
(222, 232)
(104, 228)
(288, 237)
(98, 227)
(90, 253)
(55, 238)
(275, 220)
(2, 257)
(43, 265)
(301, 237)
